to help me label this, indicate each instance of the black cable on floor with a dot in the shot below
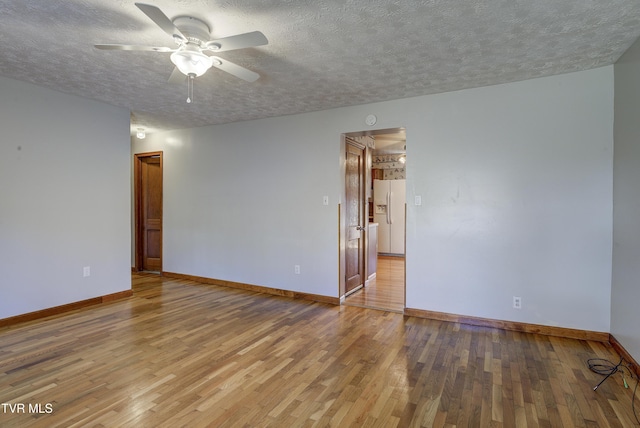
(607, 369)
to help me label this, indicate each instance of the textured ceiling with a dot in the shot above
(321, 54)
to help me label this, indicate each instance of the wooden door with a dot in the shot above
(354, 216)
(149, 211)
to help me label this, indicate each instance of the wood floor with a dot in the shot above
(179, 353)
(386, 290)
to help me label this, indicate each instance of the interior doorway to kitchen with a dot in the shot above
(384, 230)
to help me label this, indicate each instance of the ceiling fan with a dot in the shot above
(193, 38)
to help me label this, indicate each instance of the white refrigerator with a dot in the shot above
(389, 197)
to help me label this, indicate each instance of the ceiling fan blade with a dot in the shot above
(133, 48)
(176, 76)
(161, 20)
(235, 69)
(239, 41)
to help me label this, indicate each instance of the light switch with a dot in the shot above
(325, 200)
(418, 200)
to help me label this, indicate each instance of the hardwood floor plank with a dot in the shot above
(386, 290)
(180, 353)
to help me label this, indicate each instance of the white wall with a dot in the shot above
(625, 317)
(516, 185)
(243, 202)
(64, 198)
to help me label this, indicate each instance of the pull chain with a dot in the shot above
(190, 79)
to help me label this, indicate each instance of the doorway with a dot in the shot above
(148, 211)
(384, 278)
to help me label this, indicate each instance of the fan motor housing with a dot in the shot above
(194, 29)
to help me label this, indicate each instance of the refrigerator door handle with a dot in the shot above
(390, 221)
(386, 212)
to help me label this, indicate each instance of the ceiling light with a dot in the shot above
(141, 134)
(190, 60)
(402, 159)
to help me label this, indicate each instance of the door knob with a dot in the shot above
(360, 227)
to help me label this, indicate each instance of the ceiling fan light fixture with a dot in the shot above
(190, 60)
(192, 36)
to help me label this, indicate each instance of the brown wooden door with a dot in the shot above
(354, 215)
(149, 212)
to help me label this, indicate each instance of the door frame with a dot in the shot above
(138, 212)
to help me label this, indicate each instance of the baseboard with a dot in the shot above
(511, 325)
(317, 298)
(390, 256)
(631, 362)
(57, 310)
(257, 288)
(116, 296)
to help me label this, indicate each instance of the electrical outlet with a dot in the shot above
(517, 302)
(296, 269)
(86, 271)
